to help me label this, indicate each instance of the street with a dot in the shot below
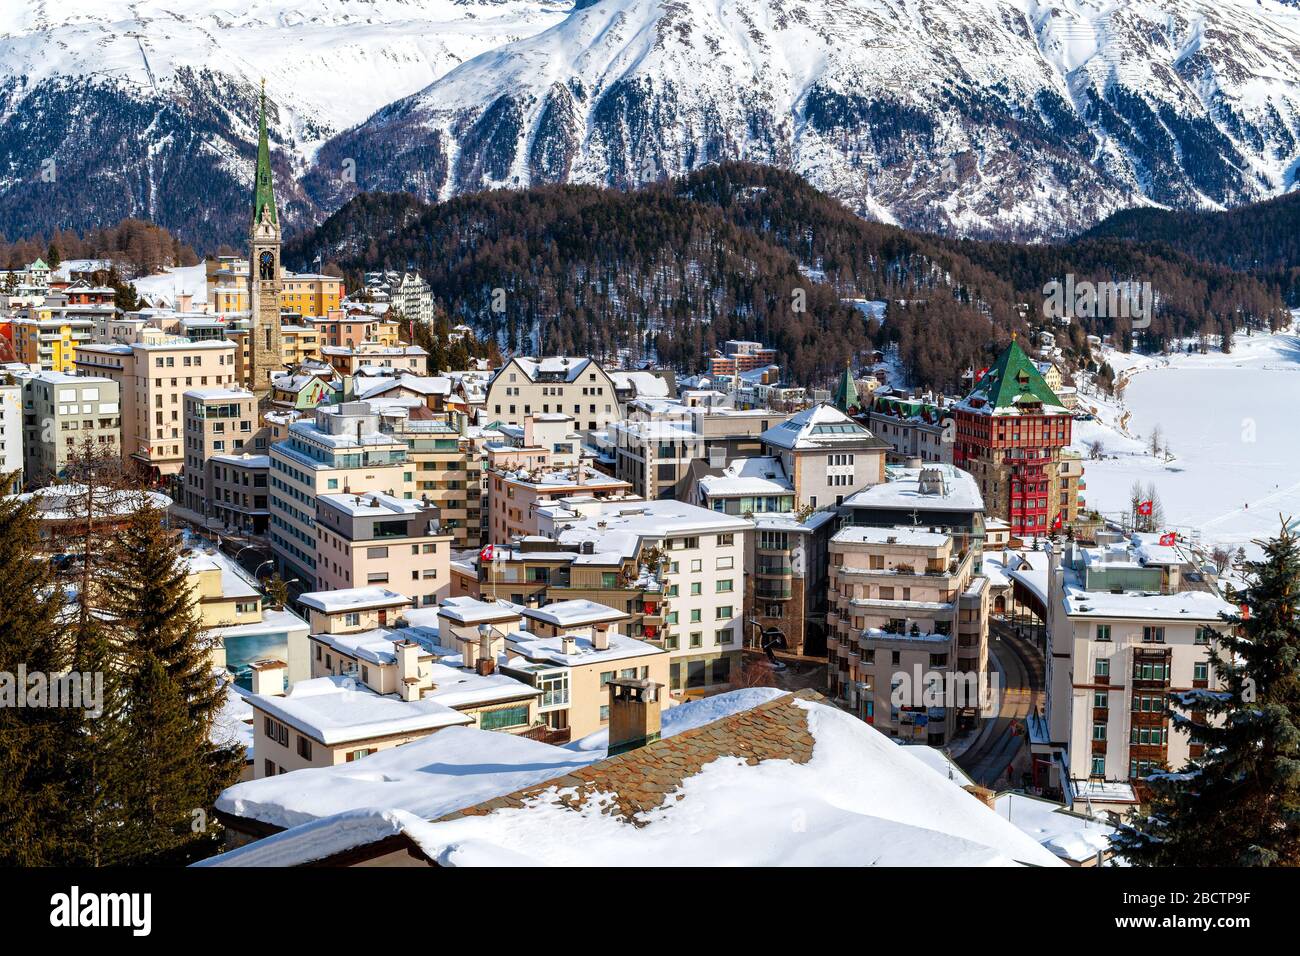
(1021, 671)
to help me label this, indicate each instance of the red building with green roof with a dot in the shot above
(1010, 431)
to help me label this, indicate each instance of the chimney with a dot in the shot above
(485, 654)
(633, 714)
(408, 661)
(984, 795)
(568, 644)
(268, 677)
(469, 653)
(600, 637)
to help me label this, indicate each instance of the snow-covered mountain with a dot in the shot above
(997, 117)
(146, 107)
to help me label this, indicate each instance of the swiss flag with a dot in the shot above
(981, 373)
(1144, 507)
(1056, 524)
(1168, 538)
(485, 554)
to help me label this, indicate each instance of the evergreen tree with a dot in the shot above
(33, 775)
(1238, 803)
(170, 696)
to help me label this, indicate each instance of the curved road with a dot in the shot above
(1021, 672)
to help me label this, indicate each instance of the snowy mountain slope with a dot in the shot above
(136, 101)
(1020, 118)
(1012, 117)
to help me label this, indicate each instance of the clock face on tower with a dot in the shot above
(266, 266)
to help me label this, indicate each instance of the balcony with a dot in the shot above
(771, 591)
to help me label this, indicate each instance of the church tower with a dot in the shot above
(265, 346)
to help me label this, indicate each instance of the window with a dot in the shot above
(1152, 634)
(723, 612)
(1098, 731)
(725, 564)
(1103, 632)
(695, 616)
(1204, 635)
(1100, 699)
(352, 619)
(726, 636)
(358, 754)
(697, 639)
(1201, 671)
(725, 586)
(604, 713)
(503, 717)
(1099, 766)
(725, 540)
(1102, 667)
(304, 747)
(695, 588)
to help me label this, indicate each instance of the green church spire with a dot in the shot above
(263, 190)
(846, 392)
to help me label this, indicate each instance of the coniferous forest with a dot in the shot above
(737, 250)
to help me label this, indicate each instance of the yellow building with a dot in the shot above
(307, 294)
(49, 340)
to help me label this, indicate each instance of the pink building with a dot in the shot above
(369, 539)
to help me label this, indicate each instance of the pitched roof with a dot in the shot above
(821, 426)
(845, 395)
(1011, 381)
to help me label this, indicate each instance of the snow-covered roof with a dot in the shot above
(902, 490)
(551, 649)
(575, 613)
(336, 710)
(469, 611)
(908, 537)
(352, 599)
(862, 800)
(1071, 836)
(748, 476)
(821, 426)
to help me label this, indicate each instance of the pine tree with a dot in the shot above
(171, 698)
(1238, 804)
(33, 776)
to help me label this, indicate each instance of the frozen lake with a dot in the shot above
(1233, 424)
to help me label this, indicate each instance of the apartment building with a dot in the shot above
(936, 497)
(514, 497)
(348, 360)
(219, 421)
(573, 386)
(913, 427)
(447, 466)
(153, 379)
(826, 455)
(1129, 623)
(739, 356)
(700, 560)
(909, 622)
(340, 449)
(48, 338)
(373, 538)
(543, 441)
(348, 328)
(61, 414)
(11, 436)
(306, 294)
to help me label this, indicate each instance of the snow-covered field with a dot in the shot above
(1232, 423)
